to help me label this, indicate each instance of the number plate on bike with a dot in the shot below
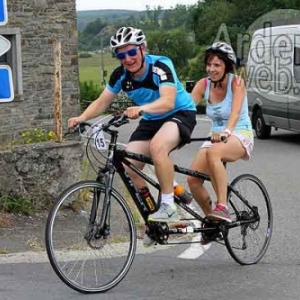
(99, 139)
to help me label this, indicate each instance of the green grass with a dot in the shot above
(12, 204)
(90, 69)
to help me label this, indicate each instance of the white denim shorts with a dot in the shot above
(244, 136)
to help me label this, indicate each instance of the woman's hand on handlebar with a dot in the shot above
(133, 112)
(217, 137)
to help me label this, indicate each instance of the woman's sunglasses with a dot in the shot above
(131, 52)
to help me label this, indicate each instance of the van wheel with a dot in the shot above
(262, 130)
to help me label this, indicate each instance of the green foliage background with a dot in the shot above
(182, 33)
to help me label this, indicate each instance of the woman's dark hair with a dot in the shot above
(229, 66)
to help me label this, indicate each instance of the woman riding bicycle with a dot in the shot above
(227, 107)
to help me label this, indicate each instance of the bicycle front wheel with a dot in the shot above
(248, 243)
(86, 257)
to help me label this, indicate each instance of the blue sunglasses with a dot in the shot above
(131, 52)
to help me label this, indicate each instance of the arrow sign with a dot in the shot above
(6, 84)
(3, 12)
(4, 45)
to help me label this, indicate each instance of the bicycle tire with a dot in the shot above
(247, 244)
(101, 264)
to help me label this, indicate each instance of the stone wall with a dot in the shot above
(39, 22)
(40, 172)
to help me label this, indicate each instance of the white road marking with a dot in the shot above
(196, 249)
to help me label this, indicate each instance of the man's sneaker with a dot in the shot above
(220, 213)
(147, 241)
(166, 213)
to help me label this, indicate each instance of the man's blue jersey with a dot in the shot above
(159, 72)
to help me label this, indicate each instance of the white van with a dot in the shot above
(273, 79)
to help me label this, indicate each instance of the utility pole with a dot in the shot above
(102, 57)
(102, 33)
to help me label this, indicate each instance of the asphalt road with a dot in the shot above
(162, 274)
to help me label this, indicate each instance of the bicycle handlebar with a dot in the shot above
(120, 119)
(117, 120)
(208, 138)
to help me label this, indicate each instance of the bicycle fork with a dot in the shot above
(99, 227)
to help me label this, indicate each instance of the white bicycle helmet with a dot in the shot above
(224, 48)
(127, 36)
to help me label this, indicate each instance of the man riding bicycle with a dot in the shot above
(168, 111)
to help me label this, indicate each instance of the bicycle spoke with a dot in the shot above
(248, 242)
(94, 262)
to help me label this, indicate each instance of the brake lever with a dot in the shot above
(67, 133)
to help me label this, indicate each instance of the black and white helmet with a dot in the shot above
(127, 36)
(224, 48)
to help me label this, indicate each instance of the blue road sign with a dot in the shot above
(3, 12)
(6, 84)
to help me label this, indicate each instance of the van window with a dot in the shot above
(297, 56)
(297, 64)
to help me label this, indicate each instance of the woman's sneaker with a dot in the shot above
(220, 213)
(204, 241)
(166, 213)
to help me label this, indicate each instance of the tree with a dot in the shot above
(89, 39)
(196, 67)
(176, 44)
(152, 20)
(206, 22)
(175, 17)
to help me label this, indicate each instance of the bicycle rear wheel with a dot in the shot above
(86, 259)
(248, 243)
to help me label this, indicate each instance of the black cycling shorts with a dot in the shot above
(185, 120)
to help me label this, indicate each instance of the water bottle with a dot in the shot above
(183, 194)
(148, 199)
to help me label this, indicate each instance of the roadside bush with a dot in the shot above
(35, 135)
(85, 55)
(11, 204)
(89, 91)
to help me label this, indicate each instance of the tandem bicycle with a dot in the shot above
(91, 230)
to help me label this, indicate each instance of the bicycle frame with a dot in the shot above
(107, 229)
(115, 162)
